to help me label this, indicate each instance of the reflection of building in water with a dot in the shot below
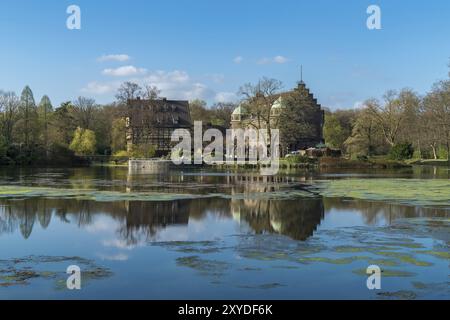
(297, 219)
(147, 218)
(248, 184)
(140, 220)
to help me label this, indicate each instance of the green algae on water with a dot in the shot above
(386, 273)
(203, 266)
(21, 192)
(398, 295)
(438, 254)
(421, 192)
(22, 271)
(405, 258)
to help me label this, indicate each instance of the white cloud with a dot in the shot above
(97, 88)
(225, 97)
(238, 59)
(101, 225)
(264, 61)
(178, 85)
(216, 77)
(124, 71)
(277, 59)
(121, 244)
(167, 78)
(280, 59)
(114, 57)
(359, 105)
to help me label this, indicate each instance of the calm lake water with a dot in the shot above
(219, 235)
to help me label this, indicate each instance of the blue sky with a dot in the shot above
(208, 48)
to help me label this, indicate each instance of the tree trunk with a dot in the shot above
(433, 147)
(419, 149)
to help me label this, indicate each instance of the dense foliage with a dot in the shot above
(402, 151)
(403, 125)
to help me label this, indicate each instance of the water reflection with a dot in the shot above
(138, 220)
(296, 218)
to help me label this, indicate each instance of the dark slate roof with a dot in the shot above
(160, 113)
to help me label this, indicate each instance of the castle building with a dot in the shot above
(242, 118)
(152, 122)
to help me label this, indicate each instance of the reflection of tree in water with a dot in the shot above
(140, 221)
(374, 212)
(297, 219)
(8, 221)
(144, 219)
(24, 214)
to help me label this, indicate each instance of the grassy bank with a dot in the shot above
(438, 163)
(373, 163)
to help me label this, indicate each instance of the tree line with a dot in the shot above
(403, 124)
(37, 133)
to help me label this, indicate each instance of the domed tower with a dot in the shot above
(277, 107)
(238, 117)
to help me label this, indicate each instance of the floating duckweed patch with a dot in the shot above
(419, 285)
(265, 256)
(437, 289)
(285, 267)
(390, 244)
(383, 262)
(349, 249)
(204, 266)
(421, 192)
(21, 271)
(45, 259)
(264, 286)
(386, 273)
(346, 260)
(16, 277)
(200, 247)
(438, 254)
(250, 269)
(12, 192)
(345, 246)
(398, 295)
(406, 258)
(287, 194)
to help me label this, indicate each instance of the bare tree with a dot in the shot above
(259, 100)
(127, 91)
(151, 92)
(9, 108)
(392, 116)
(85, 109)
(437, 112)
(365, 133)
